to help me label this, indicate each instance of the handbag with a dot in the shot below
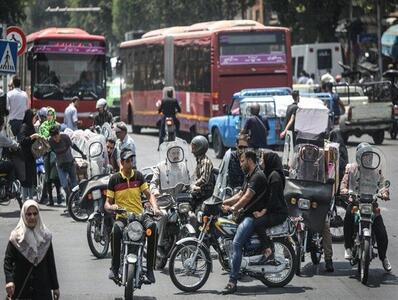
(40, 147)
(238, 216)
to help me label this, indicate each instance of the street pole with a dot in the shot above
(380, 60)
(350, 62)
(4, 36)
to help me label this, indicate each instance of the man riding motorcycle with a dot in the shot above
(204, 183)
(235, 175)
(104, 115)
(169, 107)
(124, 191)
(350, 179)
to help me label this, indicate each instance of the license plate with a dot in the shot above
(96, 194)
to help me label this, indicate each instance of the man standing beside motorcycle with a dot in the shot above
(247, 199)
(350, 179)
(124, 191)
(204, 183)
(124, 141)
(104, 115)
(169, 108)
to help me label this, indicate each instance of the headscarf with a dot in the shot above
(28, 118)
(31, 243)
(44, 129)
(272, 162)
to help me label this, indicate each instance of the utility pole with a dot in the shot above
(380, 58)
(349, 33)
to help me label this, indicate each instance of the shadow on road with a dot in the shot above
(10, 214)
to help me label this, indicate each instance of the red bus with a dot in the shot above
(206, 63)
(62, 63)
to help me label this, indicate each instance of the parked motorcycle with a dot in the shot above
(132, 271)
(190, 262)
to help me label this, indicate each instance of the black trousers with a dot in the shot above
(378, 230)
(117, 235)
(264, 222)
(15, 126)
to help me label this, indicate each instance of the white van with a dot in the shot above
(316, 59)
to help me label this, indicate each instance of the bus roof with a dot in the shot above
(63, 33)
(199, 29)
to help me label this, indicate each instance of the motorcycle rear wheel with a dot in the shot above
(129, 289)
(286, 246)
(78, 214)
(182, 253)
(104, 242)
(316, 255)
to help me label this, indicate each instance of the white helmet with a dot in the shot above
(101, 103)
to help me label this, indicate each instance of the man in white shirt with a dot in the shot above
(17, 104)
(124, 141)
(70, 116)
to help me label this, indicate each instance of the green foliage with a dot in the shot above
(12, 11)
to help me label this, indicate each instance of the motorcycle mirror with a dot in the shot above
(387, 184)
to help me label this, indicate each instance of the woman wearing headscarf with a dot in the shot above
(29, 264)
(49, 159)
(26, 137)
(275, 211)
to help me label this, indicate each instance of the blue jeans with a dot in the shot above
(65, 173)
(245, 230)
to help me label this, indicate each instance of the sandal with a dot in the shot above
(230, 288)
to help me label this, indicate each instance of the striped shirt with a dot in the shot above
(204, 172)
(126, 191)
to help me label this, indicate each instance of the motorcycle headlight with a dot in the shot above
(135, 231)
(184, 208)
(304, 203)
(366, 209)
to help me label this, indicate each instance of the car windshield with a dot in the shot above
(267, 108)
(62, 76)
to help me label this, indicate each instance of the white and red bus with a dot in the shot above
(206, 63)
(62, 63)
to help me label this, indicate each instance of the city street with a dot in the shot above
(82, 276)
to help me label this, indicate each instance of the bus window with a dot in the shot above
(294, 66)
(324, 57)
(300, 64)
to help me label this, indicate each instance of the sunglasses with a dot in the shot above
(32, 214)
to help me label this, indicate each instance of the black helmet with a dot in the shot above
(201, 145)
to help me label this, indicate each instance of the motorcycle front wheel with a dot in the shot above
(363, 265)
(129, 289)
(75, 211)
(283, 253)
(189, 273)
(98, 241)
(299, 251)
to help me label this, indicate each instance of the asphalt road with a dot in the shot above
(82, 276)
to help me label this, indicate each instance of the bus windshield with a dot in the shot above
(243, 48)
(62, 76)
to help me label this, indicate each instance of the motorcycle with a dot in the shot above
(132, 271)
(190, 262)
(175, 173)
(40, 178)
(309, 195)
(365, 189)
(9, 189)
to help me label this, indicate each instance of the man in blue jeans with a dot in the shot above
(254, 186)
(62, 146)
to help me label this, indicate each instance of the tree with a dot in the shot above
(12, 12)
(93, 22)
(310, 20)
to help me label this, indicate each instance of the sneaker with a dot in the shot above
(112, 275)
(386, 265)
(329, 265)
(348, 254)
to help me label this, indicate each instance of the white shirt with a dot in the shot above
(70, 117)
(17, 104)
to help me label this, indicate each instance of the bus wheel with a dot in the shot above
(130, 118)
(218, 146)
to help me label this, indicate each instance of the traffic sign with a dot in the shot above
(15, 34)
(8, 57)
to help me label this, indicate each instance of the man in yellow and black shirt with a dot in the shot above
(124, 191)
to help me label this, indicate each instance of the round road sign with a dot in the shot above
(16, 34)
